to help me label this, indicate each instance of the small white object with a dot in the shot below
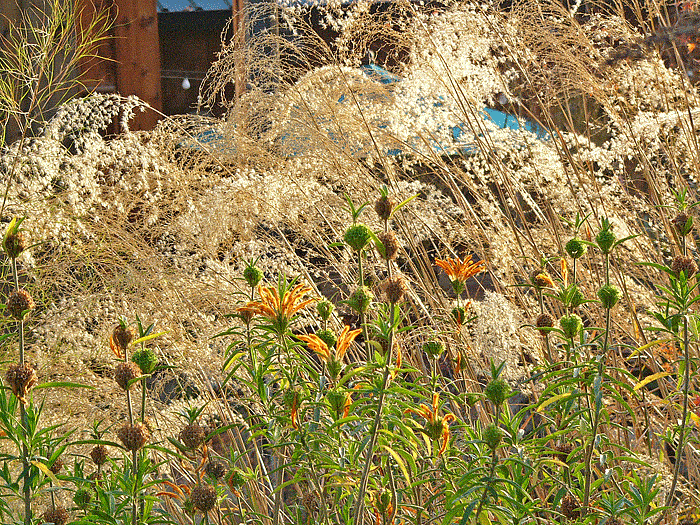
(502, 99)
(185, 83)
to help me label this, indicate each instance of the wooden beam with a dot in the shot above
(137, 52)
(239, 32)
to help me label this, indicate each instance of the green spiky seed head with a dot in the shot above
(492, 436)
(252, 275)
(609, 295)
(361, 299)
(576, 248)
(576, 297)
(291, 398)
(383, 502)
(325, 309)
(471, 398)
(146, 359)
(497, 391)
(605, 239)
(328, 337)
(434, 348)
(459, 315)
(433, 429)
(357, 236)
(571, 325)
(82, 498)
(337, 399)
(235, 479)
(203, 497)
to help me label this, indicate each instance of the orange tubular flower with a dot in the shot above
(435, 427)
(278, 308)
(341, 347)
(344, 339)
(317, 345)
(460, 271)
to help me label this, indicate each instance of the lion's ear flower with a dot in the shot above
(436, 428)
(279, 306)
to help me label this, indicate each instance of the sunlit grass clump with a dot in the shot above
(354, 297)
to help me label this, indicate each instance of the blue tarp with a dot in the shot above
(180, 6)
(460, 131)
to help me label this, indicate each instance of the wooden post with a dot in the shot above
(239, 32)
(137, 52)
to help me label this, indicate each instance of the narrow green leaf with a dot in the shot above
(649, 379)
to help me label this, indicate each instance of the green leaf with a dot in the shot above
(400, 462)
(554, 399)
(62, 384)
(649, 379)
(149, 337)
(402, 204)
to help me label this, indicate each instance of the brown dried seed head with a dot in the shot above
(125, 372)
(204, 497)
(56, 515)
(570, 507)
(99, 454)
(544, 321)
(384, 205)
(395, 289)
(541, 279)
(680, 222)
(15, 243)
(21, 379)
(18, 303)
(121, 337)
(193, 435)
(133, 437)
(561, 451)
(216, 469)
(684, 264)
(57, 466)
(391, 244)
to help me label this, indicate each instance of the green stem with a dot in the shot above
(492, 471)
(359, 504)
(27, 487)
(134, 499)
(368, 347)
(682, 431)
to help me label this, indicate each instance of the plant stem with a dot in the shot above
(368, 347)
(492, 471)
(359, 504)
(680, 449)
